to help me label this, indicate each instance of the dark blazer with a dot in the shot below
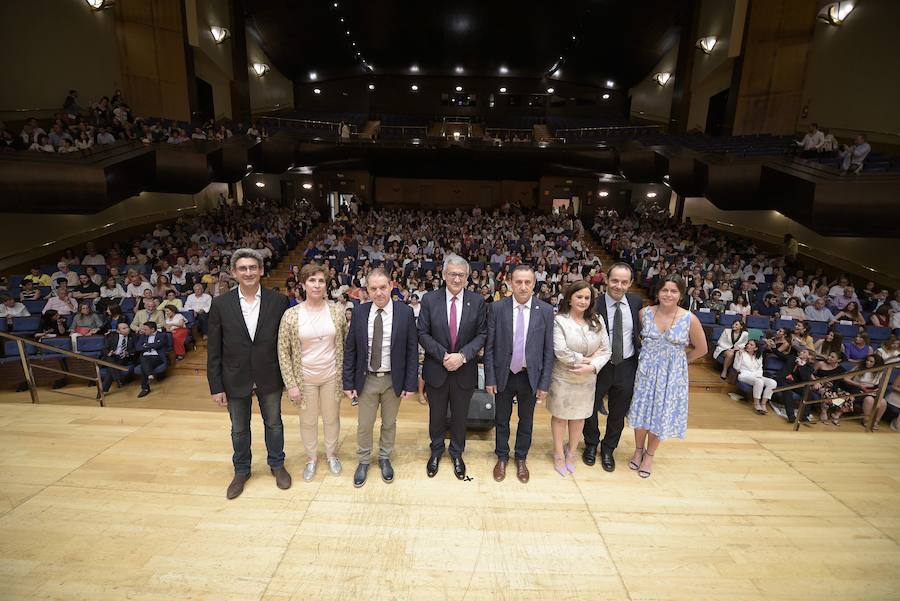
(538, 344)
(235, 362)
(111, 343)
(434, 336)
(404, 349)
(143, 344)
(634, 303)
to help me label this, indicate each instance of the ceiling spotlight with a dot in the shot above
(342, 19)
(835, 13)
(707, 44)
(603, 193)
(662, 78)
(307, 186)
(414, 88)
(414, 68)
(219, 34)
(260, 184)
(313, 76)
(317, 91)
(605, 97)
(550, 90)
(99, 4)
(335, 5)
(459, 69)
(260, 69)
(347, 32)
(610, 83)
(651, 194)
(357, 55)
(573, 37)
(459, 88)
(353, 43)
(503, 70)
(371, 86)
(503, 90)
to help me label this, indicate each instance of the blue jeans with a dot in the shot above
(270, 408)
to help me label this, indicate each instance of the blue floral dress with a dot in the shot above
(660, 401)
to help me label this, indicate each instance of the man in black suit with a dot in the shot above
(151, 347)
(380, 368)
(518, 362)
(118, 348)
(452, 330)
(243, 358)
(619, 311)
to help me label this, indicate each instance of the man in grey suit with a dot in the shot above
(620, 312)
(518, 361)
(452, 330)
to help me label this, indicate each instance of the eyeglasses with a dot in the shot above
(456, 276)
(247, 269)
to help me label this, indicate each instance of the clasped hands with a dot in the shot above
(453, 361)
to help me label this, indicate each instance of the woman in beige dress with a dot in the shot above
(311, 356)
(581, 345)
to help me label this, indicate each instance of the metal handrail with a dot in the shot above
(27, 366)
(303, 122)
(805, 400)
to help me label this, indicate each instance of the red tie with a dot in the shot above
(453, 324)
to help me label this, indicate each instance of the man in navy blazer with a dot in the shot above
(616, 379)
(518, 361)
(380, 368)
(452, 330)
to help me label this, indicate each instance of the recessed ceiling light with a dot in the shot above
(603, 193)
(557, 73)
(459, 69)
(414, 69)
(503, 90)
(335, 5)
(317, 91)
(503, 70)
(610, 83)
(550, 90)
(573, 37)
(313, 75)
(342, 19)
(307, 186)
(459, 88)
(605, 97)
(353, 43)
(371, 86)
(347, 32)
(414, 88)
(651, 194)
(357, 54)
(260, 184)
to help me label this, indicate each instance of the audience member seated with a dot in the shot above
(86, 323)
(818, 311)
(866, 385)
(798, 368)
(85, 290)
(812, 143)
(748, 363)
(63, 272)
(854, 157)
(62, 303)
(858, 349)
(150, 346)
(837, 399)
(176, 325)
(118, 348)
(199, 303)
(850, 313)
(52, 325)
(792, 310)
(10, 307)
(889, 351)
(150, 312)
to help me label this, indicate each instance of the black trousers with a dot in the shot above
(149, 365)
(517, 386)
(452, 395)
(616, 382)
(115, 374)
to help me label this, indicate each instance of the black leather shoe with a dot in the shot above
(607, 461)
(589, 455)
(359, 478)
(603, 410)
(387, 470)
(459, 468)
(432, 466)
(144, 392)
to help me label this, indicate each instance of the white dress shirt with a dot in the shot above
(152, 352)
(515, 317)
(387, 320)
(627, 324)
(251, 311)
(459, 308)
(198, 303)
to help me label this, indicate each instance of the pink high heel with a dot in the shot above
(569, 459)
(559, 465)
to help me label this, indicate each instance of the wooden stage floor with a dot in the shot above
(128, 503)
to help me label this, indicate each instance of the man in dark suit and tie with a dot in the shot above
(243, 358)
(452, 330)
(518, 362)
(380, 368)
(619, 311)
(118, 348)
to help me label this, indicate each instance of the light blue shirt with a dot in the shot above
(627, 324)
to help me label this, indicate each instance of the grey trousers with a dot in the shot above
(377, 391)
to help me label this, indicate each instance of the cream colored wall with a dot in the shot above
(273, 90)
(212, 62)
(712, 72)
(54, 233)
(854, 255)
(51, 46)
(851, 82)
(649, 100)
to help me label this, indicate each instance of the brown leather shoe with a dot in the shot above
(500, 470)
(522, 471)
(282, 478)
(237, 486)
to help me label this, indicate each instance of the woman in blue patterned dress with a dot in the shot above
(659, 408)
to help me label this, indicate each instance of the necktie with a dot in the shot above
(120, 350)
(618, 343)
(377, 335)
(518, 354)
(453, 325)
